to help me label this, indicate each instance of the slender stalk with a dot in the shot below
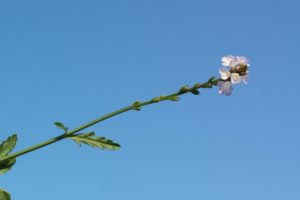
(135, 106)
(32, 148)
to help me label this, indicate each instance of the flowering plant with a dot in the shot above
(234, 70)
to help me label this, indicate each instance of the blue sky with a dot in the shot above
(73, 61)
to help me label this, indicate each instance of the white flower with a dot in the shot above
(225, 88)
(235, 78)
(241, 60)
(233, 61)
(225, 73)
(227, 60)
(233, 69)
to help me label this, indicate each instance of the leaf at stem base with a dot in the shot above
(5, 148)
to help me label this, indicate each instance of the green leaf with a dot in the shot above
(207, 85)
(6, 166)
(8, 145)
(213, 80)
(173, 98)
(137, 105)
(195, 92)
(4, 195)
(158, 99)
(61, 126)
(184, 89)
(5, 148)
(95, 141)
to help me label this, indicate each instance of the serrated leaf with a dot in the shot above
(83, 135)
(8, 145)
(5, 148)
(61, 126)
(95, 141)
(4, 195)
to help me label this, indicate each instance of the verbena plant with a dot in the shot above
(234, 70)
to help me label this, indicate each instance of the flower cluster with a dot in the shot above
(234, 70)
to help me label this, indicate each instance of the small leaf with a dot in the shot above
(197, 85)
(215, 81)
(95, 141)
(5, 148)
(137, 105)
(211, 79)
(184, 89)
(207, 85)
(158, 99)
(195, 92)
(4, 195)
(173, 98)
(61, 126)
(155, 99)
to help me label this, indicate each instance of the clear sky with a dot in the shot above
(73, 61)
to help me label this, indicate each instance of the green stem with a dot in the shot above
(136, 106)
(32, 148)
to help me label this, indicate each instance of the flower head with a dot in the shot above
(234, 70)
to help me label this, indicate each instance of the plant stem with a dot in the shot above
(32, 148)
(135, 106)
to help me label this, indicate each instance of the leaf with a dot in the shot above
(173, 98)
(4, 195)
(158, 99)
(5, 148)
(213, 80)
(195, 92)
(95, 141)
(207, 85)
(8, 145)
(137, 105)
(184, 89)
(6, 166)
(61, 126)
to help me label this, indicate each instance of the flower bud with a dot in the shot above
(241, 69)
